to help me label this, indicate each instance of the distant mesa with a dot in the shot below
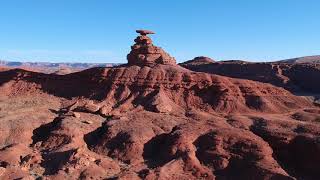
(62, 71)
(200, 60)
(143, 52)
(302, 60)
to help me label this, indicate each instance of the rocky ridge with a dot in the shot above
(295, 77)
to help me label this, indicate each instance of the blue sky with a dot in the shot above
(103, 30)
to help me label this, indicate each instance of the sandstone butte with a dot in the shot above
(153, 119)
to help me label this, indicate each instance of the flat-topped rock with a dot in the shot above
(144, 32)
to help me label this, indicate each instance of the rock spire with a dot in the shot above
(143, 52)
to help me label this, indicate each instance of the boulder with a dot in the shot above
(2, 170)
(91, 107)
(105, 110)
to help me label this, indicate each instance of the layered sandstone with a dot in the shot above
(143, 52)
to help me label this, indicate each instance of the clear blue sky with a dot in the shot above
(103, 30)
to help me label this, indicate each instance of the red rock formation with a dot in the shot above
(294, 77)
(162, 122)
(145, 53)
(159, 122)
(128, 87)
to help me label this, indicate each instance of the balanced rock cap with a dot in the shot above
(144, 32)
(143, 52)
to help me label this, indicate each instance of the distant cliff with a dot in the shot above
(48, 67)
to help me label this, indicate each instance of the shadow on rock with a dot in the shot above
(53, 162)
(156, 151)
(42, 133)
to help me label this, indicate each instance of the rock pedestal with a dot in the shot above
(143, 52)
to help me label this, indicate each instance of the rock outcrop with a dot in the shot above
(295, 77)
(145, 53)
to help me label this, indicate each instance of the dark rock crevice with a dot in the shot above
(42, 133)
(299, 156)
(155, 152)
